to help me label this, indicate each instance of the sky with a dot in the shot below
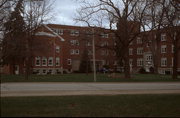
(64, 12)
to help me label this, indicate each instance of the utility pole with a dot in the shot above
(94, 58)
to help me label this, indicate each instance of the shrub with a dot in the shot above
(142, 71)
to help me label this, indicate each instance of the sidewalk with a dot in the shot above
(63, 89)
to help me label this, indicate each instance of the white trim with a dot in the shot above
(54, 32)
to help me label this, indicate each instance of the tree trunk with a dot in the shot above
(126, 66)
(175, 61)
(156, 62)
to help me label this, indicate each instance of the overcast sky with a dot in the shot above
(65, 12)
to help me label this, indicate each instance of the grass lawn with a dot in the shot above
(87, 78)
(161, 105)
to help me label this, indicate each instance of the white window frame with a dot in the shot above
(163, 49)
(139, 51)
(72, 52)
(50, 63)
(163, 37)
(44, 63)
(140, 62)
(104, 35)
(69, 61)
(74, 42)
(57, 49)
(37, 59)
(163, 62)
(57, 61)
(149, 57)
(74, 33)
(76, 51)
(139, 40)
(58, 31)
(130, 51)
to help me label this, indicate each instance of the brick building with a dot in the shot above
(65, 46)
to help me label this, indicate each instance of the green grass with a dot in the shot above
(165, 105)
(87, 78)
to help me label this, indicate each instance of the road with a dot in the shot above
(60, 89)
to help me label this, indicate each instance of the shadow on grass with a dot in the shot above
(88, 78)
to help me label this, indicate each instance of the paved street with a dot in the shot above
(60, 89)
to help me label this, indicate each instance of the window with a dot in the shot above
(57, 49)
(139, 40)
(77, 51)
(140, 62)
(44, 61)
(148, 57)
(163, 37)
(139, 51)
(103, 35)
(74, 42)
(130, 51)
(74, 33)
(163, 49)
(58, 31)
(163, 61)
(37, 61)
(69, 61)
(50, 61)
(74, 51)
(57, 61)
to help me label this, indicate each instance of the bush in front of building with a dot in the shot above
(142, 71)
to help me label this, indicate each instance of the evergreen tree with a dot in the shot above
(14, 42)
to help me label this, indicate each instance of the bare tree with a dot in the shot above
(172, 28)
(120, 16)
(153, 22)
(36, 13)
(163, 17)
